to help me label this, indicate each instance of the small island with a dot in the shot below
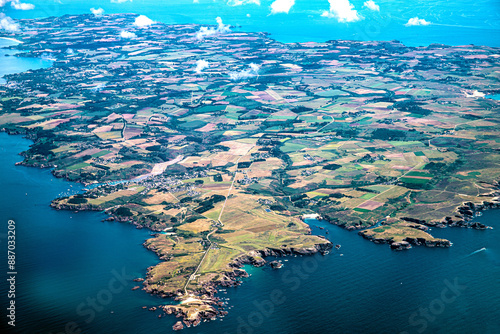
(220, 144)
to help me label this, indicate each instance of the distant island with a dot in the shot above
(221, 141)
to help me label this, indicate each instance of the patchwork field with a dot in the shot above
(222, 166)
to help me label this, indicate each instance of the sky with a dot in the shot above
(416, 22)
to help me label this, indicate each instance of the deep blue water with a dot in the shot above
(456, 22)
(64, 258)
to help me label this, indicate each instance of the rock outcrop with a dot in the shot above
(400, 245)
(406, 242)
(275, 264)
(80, 207)
(178, 326)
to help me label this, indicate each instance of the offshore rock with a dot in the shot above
(178, 326)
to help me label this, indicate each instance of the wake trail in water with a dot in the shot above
(475, 252)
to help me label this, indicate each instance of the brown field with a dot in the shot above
(217, 186)
(237, 148)
(195, 162)
(105, 128)
(197, 226)
(263, 228)
(156, 197)
(419, 177)
(370, 205)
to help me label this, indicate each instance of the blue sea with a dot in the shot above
(456, 22)
(75, 273)
(10, 63)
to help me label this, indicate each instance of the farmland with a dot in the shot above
(221, 163)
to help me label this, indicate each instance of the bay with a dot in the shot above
(9, 63)
(71, 267)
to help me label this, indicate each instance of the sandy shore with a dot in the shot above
(11, 39)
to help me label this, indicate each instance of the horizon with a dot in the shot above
(414, 23)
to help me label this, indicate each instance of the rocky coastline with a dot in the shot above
(407, 242)
(464, 214)
(205, 297)
(80, 207)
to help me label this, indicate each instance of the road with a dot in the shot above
(399, 178)
(193, 275)
(332, 121)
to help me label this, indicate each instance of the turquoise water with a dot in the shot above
(453, 22)
(10, 64)
(494, 97)
(65, 260)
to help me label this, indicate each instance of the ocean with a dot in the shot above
(456, 22)
(75, 272)
(9, 63)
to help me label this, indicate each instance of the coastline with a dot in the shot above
(209, 304)
(12, 39)
(229, 274)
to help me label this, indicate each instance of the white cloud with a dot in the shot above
(97, 12)
(221, 27)
(21, 6)
(242, 2)
(120, 1)
(127, 34)
(245, 74)
(201, 65)
(99, 87)
(281, 6)
(210, 31)
(17, 4)
(8, 24)
(143, 21)
(370, 4)
(343, 11)
(196, 1)
(415, 21)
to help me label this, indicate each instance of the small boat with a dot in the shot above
(337, 246)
